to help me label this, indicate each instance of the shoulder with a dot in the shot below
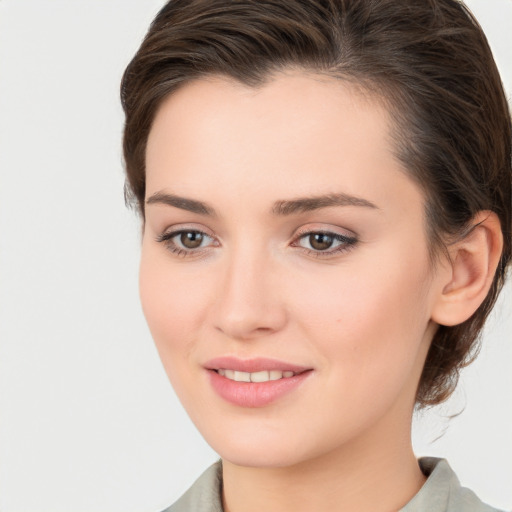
(204, 495)
(442, 491)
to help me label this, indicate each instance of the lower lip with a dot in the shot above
(255, 394)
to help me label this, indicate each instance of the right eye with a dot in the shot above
(185, 241)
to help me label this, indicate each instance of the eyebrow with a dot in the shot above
(307, 204)
(184, 203)
(282, 207)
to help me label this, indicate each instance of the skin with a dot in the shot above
(362, 318)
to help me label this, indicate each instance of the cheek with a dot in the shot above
(368, 323)
(174, 304)
(361, 298)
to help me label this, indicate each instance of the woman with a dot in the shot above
(325, 189)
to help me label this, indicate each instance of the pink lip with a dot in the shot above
(254, 394)
(252, 365)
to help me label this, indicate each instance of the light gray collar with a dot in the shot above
(441, 492)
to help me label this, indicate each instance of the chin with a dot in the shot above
(255, 451)
(259, 459)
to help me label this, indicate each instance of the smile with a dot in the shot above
(255, 382)
(261, 376)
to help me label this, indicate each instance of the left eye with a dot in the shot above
(325, 241)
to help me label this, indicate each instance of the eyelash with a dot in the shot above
(166, 238)
(347, 243)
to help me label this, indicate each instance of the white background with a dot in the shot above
(88, 421)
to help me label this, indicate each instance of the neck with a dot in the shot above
(377, 472)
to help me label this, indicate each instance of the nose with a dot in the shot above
(250, 302)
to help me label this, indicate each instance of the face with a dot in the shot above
(285, 274)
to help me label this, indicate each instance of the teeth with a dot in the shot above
(242, 376)
(259, 376)
(263, 376)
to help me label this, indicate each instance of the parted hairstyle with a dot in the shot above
(427, 60)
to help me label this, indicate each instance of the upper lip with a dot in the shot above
(257, 364)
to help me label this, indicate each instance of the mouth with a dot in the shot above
(255, 382)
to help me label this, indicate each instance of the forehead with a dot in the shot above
(296, 135)
(286, 95)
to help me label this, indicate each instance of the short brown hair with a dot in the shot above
(428, 59)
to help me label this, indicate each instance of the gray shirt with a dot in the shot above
(441, 492)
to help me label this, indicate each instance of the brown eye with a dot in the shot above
(187, 242)
(320, 241)
(191, 239)
(325, 243)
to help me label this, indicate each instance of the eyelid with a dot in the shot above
(167, 235)
(347, 239)
(179, 228)
(325, 228)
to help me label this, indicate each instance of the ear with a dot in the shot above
(467, 277)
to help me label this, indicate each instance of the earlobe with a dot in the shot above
(469, 273)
